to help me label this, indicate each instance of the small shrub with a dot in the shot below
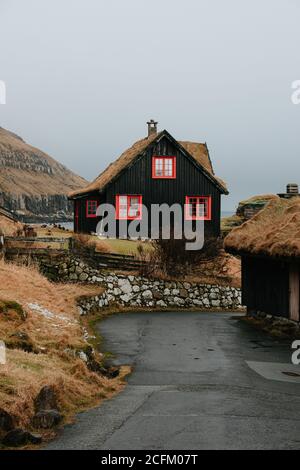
(170, 256)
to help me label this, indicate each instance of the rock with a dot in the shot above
(125, 298)
(95, 366)
(6, 421)
(126, 288)
(178, 301)
(21, 340)
(117, 291)
(46, 419)
(147, 295)
(157, 295)
(113, 372)
(167, 291)
(73, 277)
(110, 298)
(18, 437)
(46, 399)
(161, 303)
(83, 277)
(175, 292)
(183, 293)
(136, 289)
(83, 356)
(215, 303)
(213, 296)
(187, 285)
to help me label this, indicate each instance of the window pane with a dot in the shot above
(123, 200)
(201, 210)
(199, 207)
(158, 167)
(168, 167)
(133, 206)
(91, 207)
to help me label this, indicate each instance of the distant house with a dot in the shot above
(269, 246)
(155, 170)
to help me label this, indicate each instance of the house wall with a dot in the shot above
(82, 223)
(265, 285)
(137, 179)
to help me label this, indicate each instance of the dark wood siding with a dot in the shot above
(85, 224)
(265, 285)
(190, 181)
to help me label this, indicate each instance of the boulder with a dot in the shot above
(6, 421)
(46, 399)
(18, 437)
(46, 419)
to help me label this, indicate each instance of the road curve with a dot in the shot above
(194, 386)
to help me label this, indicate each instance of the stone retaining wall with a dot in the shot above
(137, 291)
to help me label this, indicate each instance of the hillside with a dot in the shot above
(45, 341)
(33, 184)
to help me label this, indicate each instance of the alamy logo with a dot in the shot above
(2, 353)
(2, 92)
(296, 354)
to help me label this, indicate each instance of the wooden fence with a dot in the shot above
(41, 247)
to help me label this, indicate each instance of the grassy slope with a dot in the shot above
(25, 373)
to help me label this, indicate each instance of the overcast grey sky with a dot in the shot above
(84, 76)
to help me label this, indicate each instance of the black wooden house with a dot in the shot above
(155, 170)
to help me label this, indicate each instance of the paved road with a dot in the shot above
(194, 386)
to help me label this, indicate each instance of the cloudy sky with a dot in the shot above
(84, 76)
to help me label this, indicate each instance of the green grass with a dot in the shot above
(125, 247)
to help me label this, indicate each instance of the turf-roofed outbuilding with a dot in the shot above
(269, 246)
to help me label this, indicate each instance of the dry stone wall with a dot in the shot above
(138, 291)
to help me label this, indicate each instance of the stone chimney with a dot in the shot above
(292, 190)
(152, 127)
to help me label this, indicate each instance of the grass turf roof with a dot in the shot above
(198, 151)
(274, 231)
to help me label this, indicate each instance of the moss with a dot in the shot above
(12, 309)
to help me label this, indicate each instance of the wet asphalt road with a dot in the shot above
(191, 388)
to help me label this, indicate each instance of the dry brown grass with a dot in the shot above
(87, 241)
(7, 226)
(274, 231)
(55, 337)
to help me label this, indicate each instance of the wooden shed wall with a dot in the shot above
(265, 285)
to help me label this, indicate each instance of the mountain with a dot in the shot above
(33, 185)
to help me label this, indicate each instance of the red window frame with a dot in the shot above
(128, 198)
(91, 204)
(199, 200)
(164, 158)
